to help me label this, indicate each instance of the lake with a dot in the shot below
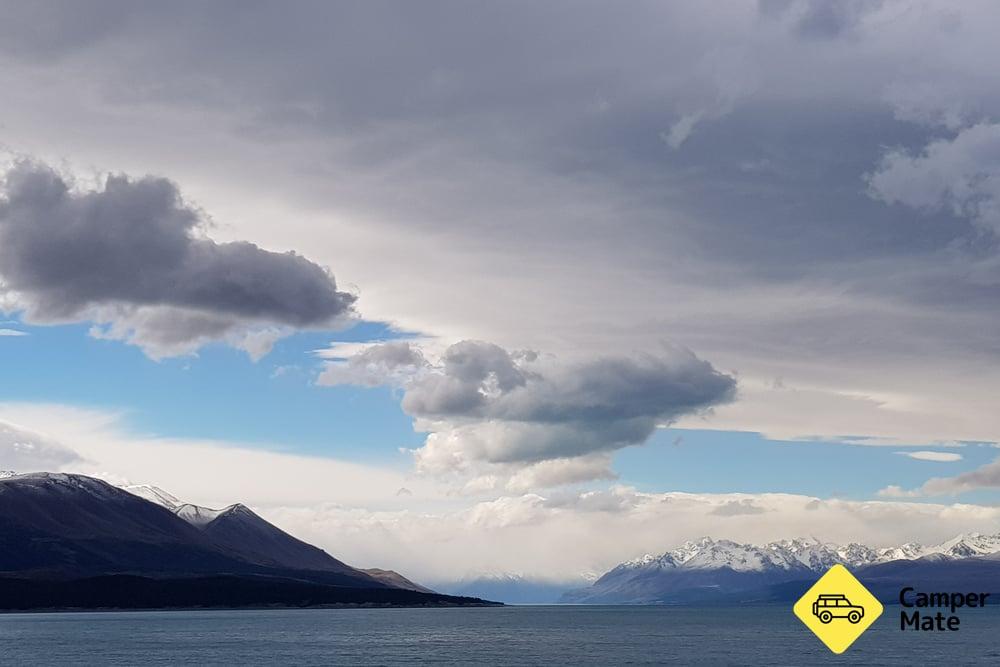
(575, 635)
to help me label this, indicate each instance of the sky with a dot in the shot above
(447, 286)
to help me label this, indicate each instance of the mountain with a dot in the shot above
(69, 525)
(246, 535)
(510, 588)
(57, 530)
(707, 569)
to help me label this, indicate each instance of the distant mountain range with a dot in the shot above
(61, 533)
(511, 588)
(710, 570)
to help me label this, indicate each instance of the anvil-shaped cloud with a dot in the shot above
(496, 412)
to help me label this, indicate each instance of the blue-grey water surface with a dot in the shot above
(570, 635)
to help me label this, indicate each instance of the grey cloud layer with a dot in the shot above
(485, 404)
(795, 189)
(136, 248)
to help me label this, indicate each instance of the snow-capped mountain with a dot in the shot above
(968, 545)
(809, 553)
(717, 566)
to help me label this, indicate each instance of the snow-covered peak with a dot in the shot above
(908, 551)
(240, 510)
(641, 561)
(198, 516)
(713, 554)
(154, 494)
(968, 545)
(857, 554)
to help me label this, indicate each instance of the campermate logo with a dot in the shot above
(838, 609)
(921, 610)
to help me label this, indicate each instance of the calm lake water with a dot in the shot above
(760, 635)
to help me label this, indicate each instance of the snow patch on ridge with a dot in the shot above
(199, 516)
(154, 494)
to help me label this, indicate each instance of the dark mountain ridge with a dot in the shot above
(58, 528)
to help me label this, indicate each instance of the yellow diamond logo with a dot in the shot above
(838, 609)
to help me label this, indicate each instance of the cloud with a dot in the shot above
(227, 471)
(719, 82)
(524, 195)
(374, 365)
(892, 418)
(894, 491)
(937, 103)
(12, 333)
(941, 457)
(984, 477)
(820, 19)
(22, 450)
(961, 174)
(738, 508)
(558, 472)
(133, 256)
(551, 420)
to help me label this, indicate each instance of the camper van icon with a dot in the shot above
(828, 607)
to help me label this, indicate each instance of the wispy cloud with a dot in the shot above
(940, 457)
(984, 477)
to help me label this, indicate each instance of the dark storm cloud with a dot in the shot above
(137, 244)
(483, 381)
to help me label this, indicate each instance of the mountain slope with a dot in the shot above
(243, 533)
(396, 580)
(71, 524)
